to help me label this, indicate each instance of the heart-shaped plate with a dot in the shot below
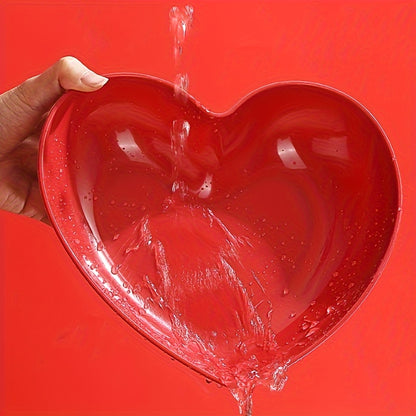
(236, 242)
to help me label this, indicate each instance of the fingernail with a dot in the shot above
(91, 79)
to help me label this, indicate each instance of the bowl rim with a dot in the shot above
(231, 110)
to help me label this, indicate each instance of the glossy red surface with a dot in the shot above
(295, 190)
(63, 351)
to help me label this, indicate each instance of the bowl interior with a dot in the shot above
(276, 216)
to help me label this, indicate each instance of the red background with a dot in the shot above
(64, 351)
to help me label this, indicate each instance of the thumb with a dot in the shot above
(21, 108)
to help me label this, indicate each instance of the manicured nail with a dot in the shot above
(91, 79)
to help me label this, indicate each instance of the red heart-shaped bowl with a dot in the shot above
(248, 250)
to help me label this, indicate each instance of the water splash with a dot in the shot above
(181, 86)
(208, 282)
(179, 135)
(244, 396)
(234, 340)
(180, 23)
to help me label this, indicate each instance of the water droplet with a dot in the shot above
(311, 332)
(115, 268)
(279, 378)
(330, 309)
(100, 246)
(181, 84)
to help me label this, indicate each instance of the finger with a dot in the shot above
(25, 156)
(22, 107)
(34, 207)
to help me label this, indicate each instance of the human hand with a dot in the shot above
(22, 112)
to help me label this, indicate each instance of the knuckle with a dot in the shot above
(67, 62)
